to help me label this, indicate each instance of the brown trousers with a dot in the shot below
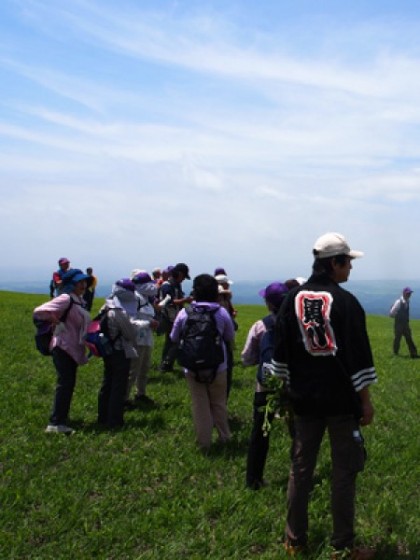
(348, 458)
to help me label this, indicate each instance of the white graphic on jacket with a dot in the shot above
(313, 315)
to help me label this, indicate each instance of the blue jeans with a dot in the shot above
(66, 369)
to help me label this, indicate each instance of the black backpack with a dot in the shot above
(266, 345)
(201, 344)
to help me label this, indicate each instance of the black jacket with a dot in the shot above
(322, 349)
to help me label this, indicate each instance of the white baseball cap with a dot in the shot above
(333, 244)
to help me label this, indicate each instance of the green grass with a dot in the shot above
(146, 492)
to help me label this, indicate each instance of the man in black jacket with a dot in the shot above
(322, 352)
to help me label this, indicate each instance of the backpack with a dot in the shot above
(45, 331)
(97, 338)
(266, 346)
(201, 344)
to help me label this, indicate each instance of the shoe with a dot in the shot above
(165, 368)
(292, 550)
(357, 553)
(143, 399)
(60, 429)
(257, 484)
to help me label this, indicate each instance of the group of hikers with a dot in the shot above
(312, 349)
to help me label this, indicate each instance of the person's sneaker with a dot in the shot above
(143, 399)
(293, 550)
(60, 429)
(357, 553)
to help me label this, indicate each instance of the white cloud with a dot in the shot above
(204, 141)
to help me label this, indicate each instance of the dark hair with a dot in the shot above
(292, 283)
(324, 266)
(205, 288)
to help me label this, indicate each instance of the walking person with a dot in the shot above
(400, 311)
(67, 346)
(322, 351)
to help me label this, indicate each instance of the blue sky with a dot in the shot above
(143, 133)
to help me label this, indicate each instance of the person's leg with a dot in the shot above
(258, 445)
(169, 349)
(410, 343)
(119, 379)
(144, 357)
(202, 417)
(397, 338)
(307, 440)
(66, 369)
(104, 391)
(218, 406)
(229, 352)
(348, 458)
(135, 365)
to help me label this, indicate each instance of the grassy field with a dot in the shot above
(146, 492)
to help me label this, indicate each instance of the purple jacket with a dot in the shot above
(223, 322)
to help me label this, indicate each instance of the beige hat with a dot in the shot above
(333, 244)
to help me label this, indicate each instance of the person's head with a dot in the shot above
(292, 283)
(333, 257)
(219, 270)
(64, 263)
(89, 271)
(156, 273)
(74, 281)
(123, 295)
(180, 272)
(274, 295)
(223, 281)
(144, 284)
(407, 293)
(205, 288)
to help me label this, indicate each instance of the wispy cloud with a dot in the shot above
(176, 116)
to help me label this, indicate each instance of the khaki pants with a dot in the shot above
(209, 409)
(139, 370)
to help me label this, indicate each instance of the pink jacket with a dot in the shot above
(68, 335)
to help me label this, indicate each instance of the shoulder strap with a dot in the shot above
(268, 321)
(66, 312)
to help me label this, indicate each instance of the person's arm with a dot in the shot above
(393, 312)
(125, 326)
(181, 301)
(53, 310)
(367, 407)
(177, 327)
(250, 352)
